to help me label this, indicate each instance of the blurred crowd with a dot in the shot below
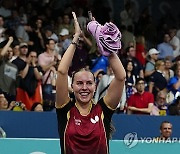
(34, 35)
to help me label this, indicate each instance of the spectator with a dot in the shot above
(175, 42)
(81, 57)
(100, 63)
(103, 85)
(37, 36)
(30, 74)
(49, 34)
(15, 52)
(174, 108)
(5, 8)
(160, 107)
(127, 37)
(4, 105)
(150, 65)
(37, 107)
(140, 49)
(66, 24)
(157, 81)
(174, 82)
(141, 102)
(126, 15)
(131, 55)
(168, 72)
(165, 49)
(99, 76)
(64, 41)
(81, 19)
(48, 61)
(130, 79)
(8, 72)
(2, 29)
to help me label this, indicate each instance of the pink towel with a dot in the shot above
(107, 37)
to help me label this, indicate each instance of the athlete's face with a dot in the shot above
(84, 86)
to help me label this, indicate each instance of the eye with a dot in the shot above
(89, 83)
(79, 83)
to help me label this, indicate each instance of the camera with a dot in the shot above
(18, 103)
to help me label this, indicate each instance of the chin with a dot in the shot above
(84, 100)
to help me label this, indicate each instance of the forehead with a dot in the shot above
(51, 41)
(33, 53)
(83, 76)
(130, 63)
(132, 49)
(166, 125)
(139, 82)
(2, 99)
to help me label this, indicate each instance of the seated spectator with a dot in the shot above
(174, 82)
(99, 76)
(64, 41)
(81, 56)
(37, 107)
(160, 107)
(174, 108)
(66, 23)
(174, 42)
(130, 55)
(157, 80)
(14, 106)
(49, 33)
(150, 65)
(168, 72)
(141, 102)
(3, 102)
(2, 29)
(165, 49)
(140, 49)
(130, 79)
(100, 63)
(103, 86)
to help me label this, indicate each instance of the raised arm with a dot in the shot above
(115, 89)
(62, 78)
(6, 47)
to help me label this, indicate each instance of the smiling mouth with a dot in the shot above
(84, 94)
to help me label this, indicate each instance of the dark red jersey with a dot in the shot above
(84, 134)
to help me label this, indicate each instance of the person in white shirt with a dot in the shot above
(175, 42)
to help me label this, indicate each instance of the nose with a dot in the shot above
(84, 86)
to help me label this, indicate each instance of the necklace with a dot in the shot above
(89, 109)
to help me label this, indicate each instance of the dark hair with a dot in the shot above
(128, 48)
(35, 105)
(126, 64)
(101, 72)
(80, 70)
(139, 79)
(164, 123)
(48, 40)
